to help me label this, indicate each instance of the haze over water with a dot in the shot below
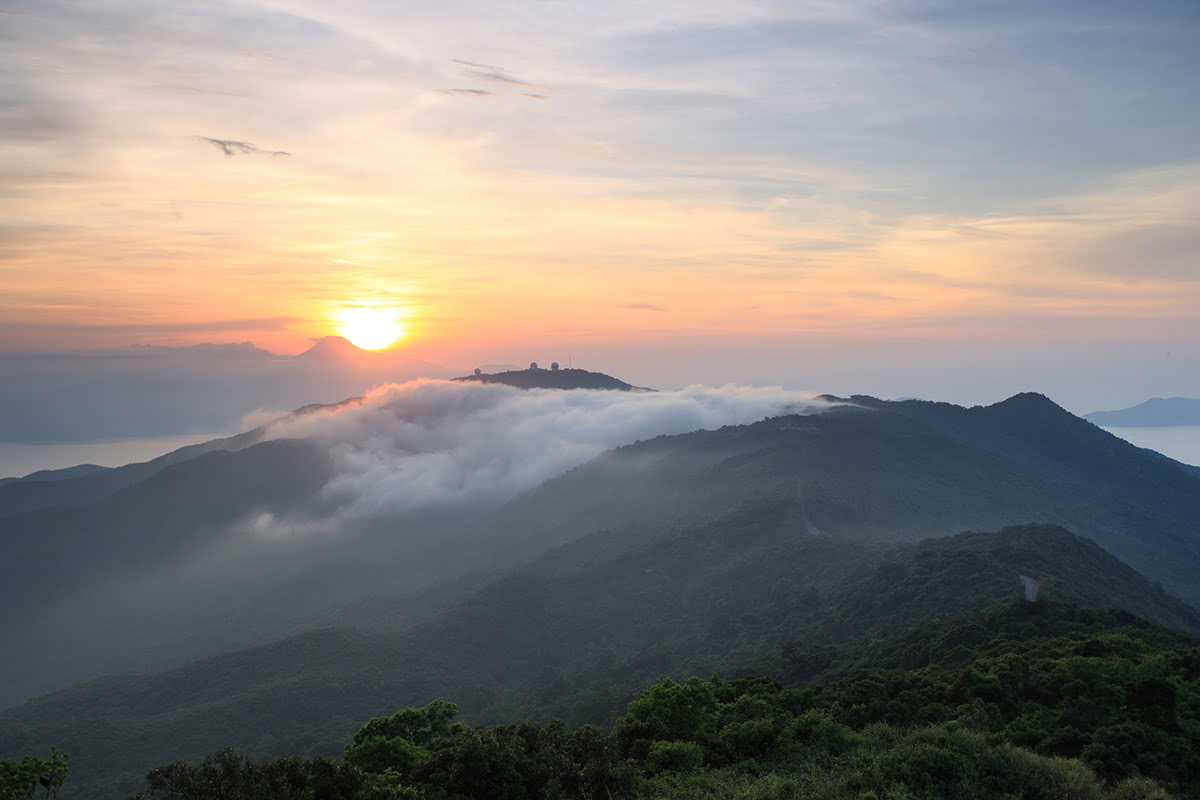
(1181, 442)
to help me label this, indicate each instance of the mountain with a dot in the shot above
(55, 474)
(571, 635)
(334, 348)
(1158, 412)
(1039, 700)
(1137, 504)
(88, 483)
(553, 378)
(142, 392)
(114, 585)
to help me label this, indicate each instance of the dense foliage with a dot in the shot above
(1033, 701)
(580, 630)
(1104, 687)
(33, 776)
(230, 776)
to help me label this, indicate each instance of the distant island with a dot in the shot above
(1157, 412)
(553, 378)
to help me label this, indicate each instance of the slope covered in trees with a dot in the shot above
(572, 635)
(1033, 700)
(716, 551)
(128, 568)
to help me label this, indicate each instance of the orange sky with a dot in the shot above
(191, 173)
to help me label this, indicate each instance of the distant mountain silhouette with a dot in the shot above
(88, 483)
(141, 392)
(1157, 412)
(332, 348)
(538, 378)
(66, 474)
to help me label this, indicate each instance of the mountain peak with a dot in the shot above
(1029, 402)
(554, 378)
(332, 348)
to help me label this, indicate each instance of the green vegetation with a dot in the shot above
(25, 779)
(1032, 701)
(577, 632)
(229, 776)
(797, 548)
(129, 564)
(1105, 687)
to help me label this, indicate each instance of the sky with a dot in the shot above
(957, 201)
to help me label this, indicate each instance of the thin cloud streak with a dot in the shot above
(487, 72)
(233, 148)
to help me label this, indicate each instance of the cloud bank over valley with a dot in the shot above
(429, 442)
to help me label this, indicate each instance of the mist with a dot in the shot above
(402, 490)
(425, 443)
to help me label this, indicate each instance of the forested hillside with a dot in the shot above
(788, 548)
(1033, 700)
(577, 632)
(129, 567)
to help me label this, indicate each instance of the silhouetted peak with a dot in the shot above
(332, 348)
(1155, 412)
(1029, 404)
(541, 378)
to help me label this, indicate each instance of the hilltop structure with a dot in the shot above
(553, 378)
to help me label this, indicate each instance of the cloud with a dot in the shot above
(644, 306)
(94, 332)
(486, 72)
(468, 92)
(233, 148)
(428, 443)
(1158, 251)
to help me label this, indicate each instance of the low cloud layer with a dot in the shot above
(423, 443)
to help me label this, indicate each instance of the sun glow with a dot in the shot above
(370, 328)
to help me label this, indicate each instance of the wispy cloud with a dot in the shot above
(233, 148)
(487, 72)
(644, 307)
(722, 155)
(468, 92)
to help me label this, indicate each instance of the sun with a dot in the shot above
(370, 328)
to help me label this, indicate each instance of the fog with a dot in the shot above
(142, 392)
(430, 442)
(395, 492)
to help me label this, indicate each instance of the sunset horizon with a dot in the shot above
(793, 177)
(958, 202)
(561, 400)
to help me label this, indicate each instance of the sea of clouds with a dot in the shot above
(433, 442)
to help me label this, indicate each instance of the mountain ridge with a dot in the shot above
(1157, 412)
(549, 642)
(862, 469)
(553, 378)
